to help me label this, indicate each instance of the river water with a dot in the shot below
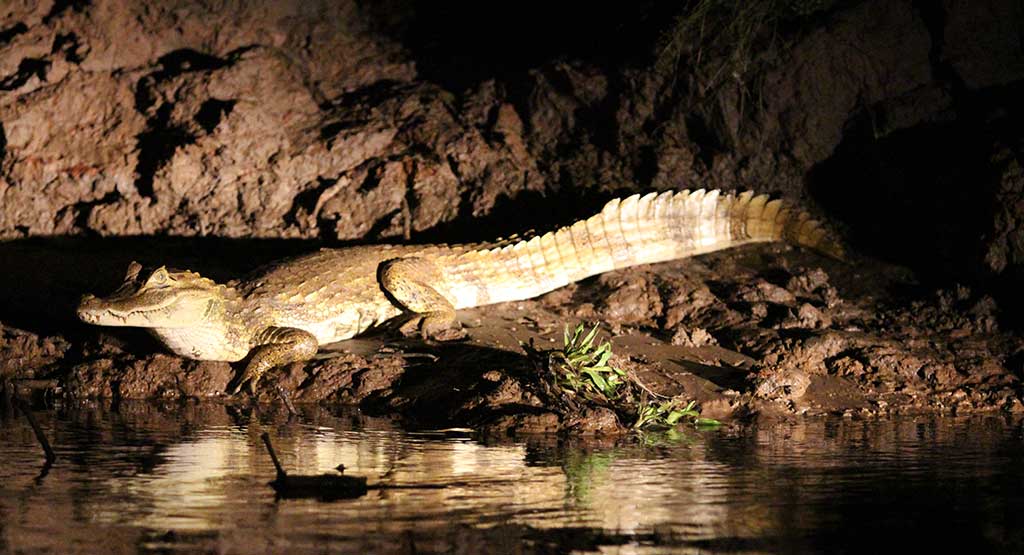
(139, 478)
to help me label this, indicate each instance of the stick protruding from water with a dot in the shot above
(273, 456)
(40, 436)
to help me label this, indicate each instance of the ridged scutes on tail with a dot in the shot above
(638, 229)
(773, 220)
(685, 223)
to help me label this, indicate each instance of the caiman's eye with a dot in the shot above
(159, 278)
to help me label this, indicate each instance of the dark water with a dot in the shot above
(193, 480)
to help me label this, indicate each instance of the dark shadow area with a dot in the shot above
(27, 69)
(61, 6)
(212, 112)
(8, 34)
(723, 376)
(467, 398)
(460, 44)
(926, 197)
(919, 197)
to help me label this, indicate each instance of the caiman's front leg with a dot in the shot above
(410, 282)
(276, 347)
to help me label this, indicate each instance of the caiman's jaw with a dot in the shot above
(164, 299)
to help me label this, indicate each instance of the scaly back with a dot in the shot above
(627, 232)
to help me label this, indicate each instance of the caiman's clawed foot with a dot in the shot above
(436, 327)
(449, 334)
(277, 347)
(413, 282)
(253, 373)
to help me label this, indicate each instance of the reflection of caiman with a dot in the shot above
(284, 312)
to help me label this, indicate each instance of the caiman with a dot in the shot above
(283, 312)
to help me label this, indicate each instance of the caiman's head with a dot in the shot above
(159, 299)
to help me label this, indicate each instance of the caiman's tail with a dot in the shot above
(630, 231)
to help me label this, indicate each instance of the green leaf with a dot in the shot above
(583, 369)
(596, 377)
(590, 336)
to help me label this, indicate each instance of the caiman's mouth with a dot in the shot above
(94, 310)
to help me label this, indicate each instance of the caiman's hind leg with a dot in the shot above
(276, 347)
(409, 281)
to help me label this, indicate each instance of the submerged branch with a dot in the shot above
(273, 456)
(322, 486)
(287, 402)
(40, 436)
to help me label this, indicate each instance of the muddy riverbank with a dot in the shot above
(763, 330)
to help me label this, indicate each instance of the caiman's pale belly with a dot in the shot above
(213, 342)
(202, 343)
(344, 325)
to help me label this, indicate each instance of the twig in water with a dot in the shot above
(8, 390)
(27, 411)
(281, 474)
(287, 401)
(323, 486)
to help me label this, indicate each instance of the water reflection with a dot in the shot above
(193, 478)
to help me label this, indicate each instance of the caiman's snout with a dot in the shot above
(88, 308)
(111, 311)
(162, 300)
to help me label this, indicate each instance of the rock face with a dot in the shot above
(299, 119)
(279, 120)
(1004, 253)
(331, 121)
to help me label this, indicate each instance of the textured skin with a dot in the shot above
(282, 313)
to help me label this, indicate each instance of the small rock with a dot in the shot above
(697, 337)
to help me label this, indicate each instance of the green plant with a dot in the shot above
(668, 414)
(582, 369)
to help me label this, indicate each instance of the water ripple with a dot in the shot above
(151, 480)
